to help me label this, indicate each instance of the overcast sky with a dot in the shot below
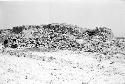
(84, 13)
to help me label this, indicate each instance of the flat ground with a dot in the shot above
(62, 67)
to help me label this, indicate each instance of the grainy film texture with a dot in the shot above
(62, 42)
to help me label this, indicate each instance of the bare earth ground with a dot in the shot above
(62, 67)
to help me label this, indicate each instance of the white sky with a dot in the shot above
(84, 13)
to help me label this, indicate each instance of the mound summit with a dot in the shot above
(55, 36)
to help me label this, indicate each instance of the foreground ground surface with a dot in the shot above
(62, 67)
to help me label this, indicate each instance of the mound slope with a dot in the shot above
(61, 54)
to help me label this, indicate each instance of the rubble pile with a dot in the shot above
(61, 54)
(55, 36)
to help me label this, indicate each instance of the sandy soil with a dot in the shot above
(63, 67)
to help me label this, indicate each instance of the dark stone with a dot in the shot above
(14, 46)
(5, 43)
(17, 29)
(14, 40)
(91, 32)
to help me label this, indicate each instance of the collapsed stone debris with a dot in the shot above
(96, 54)
(55, 36)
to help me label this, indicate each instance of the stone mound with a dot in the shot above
(55, 37)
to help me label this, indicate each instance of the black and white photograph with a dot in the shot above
(62, 42)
